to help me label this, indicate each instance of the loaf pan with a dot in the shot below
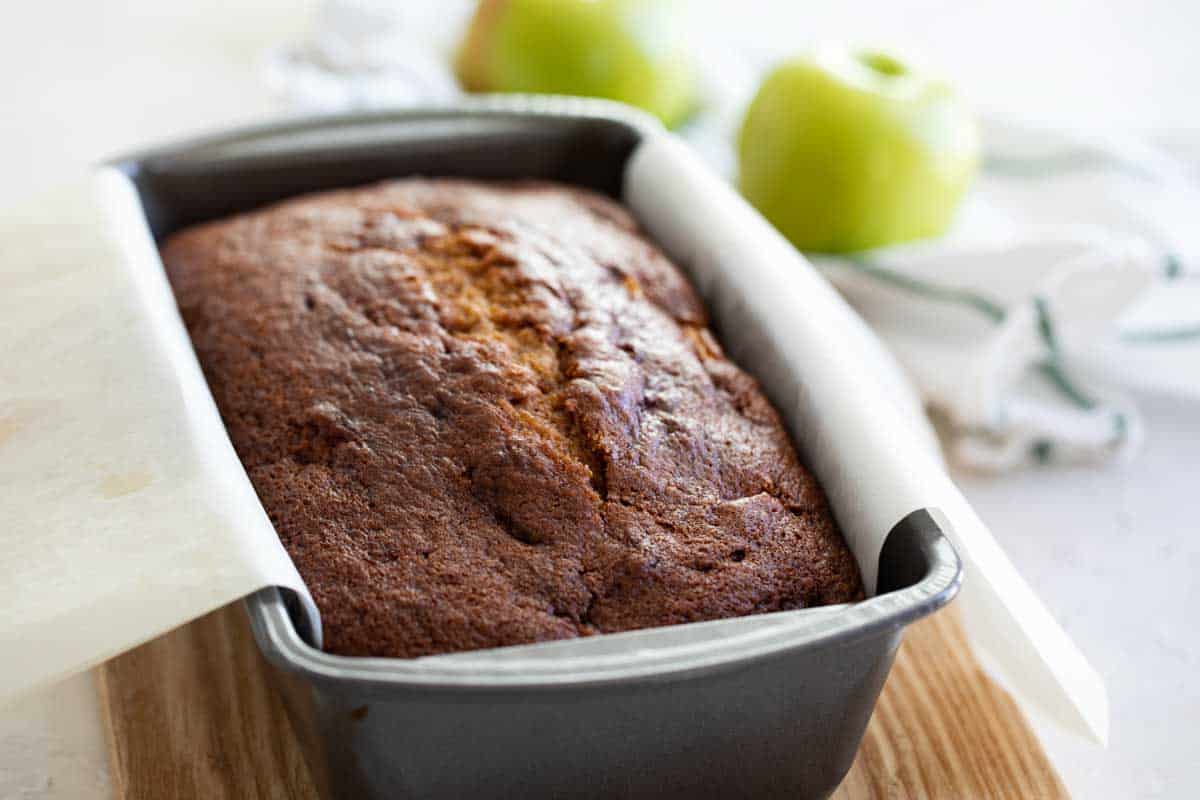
(763, 707)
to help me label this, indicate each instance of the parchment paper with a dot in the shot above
(124, 511)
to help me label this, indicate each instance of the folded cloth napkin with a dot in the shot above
(1070, 277)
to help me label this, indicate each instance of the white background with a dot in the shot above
(1115, 552)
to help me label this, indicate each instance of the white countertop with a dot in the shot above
(1114, 552)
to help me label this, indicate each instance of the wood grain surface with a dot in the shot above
(944, 729)
(190, 715)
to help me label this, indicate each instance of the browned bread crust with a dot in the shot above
(491, 414)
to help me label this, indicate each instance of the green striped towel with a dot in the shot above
(1068, 283)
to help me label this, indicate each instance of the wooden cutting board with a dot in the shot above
(191, 715)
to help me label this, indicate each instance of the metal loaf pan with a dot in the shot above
(762, 707)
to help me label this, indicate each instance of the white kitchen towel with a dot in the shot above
(1069, 279)
(368, 54)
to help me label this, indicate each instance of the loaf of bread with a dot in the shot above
(487, 414)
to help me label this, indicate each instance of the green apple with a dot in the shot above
(846, 151)
(627, 50)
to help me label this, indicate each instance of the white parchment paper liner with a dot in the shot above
(124, 510)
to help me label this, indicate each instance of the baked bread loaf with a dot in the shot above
(490, 414)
